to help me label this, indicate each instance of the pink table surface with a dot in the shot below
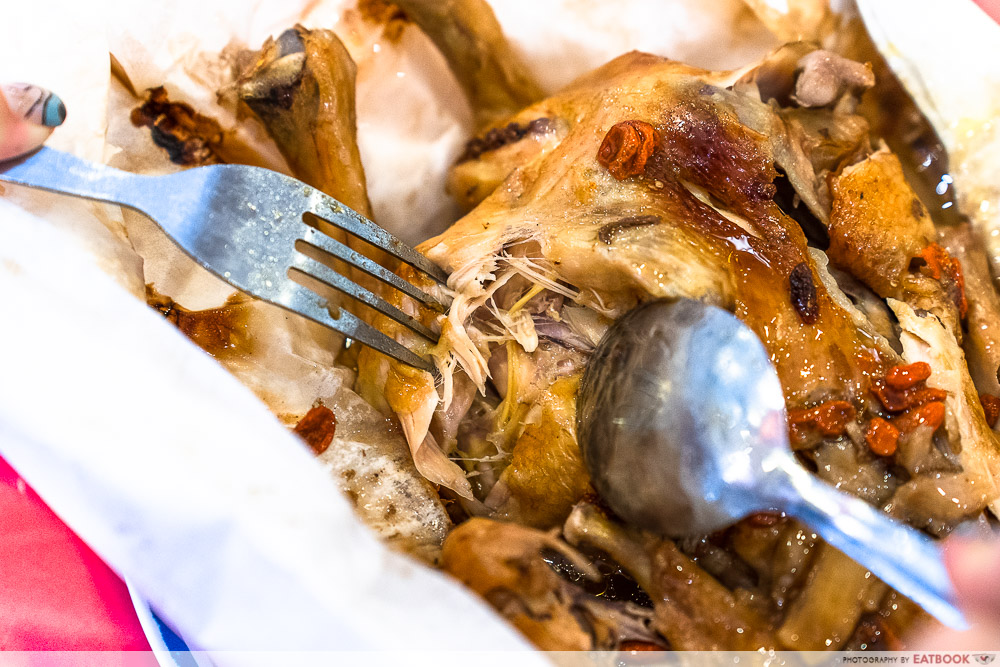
(991, 7)
(55, 593)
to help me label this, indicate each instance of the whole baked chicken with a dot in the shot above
(763, 191)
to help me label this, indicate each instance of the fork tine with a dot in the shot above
(302, 300)
(331, 278)
(331, 246)
(338, 215)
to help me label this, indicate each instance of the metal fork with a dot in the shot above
(243, 223)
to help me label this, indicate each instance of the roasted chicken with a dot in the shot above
(770, 191)
(762, 191)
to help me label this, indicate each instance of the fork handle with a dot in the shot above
(55, 171)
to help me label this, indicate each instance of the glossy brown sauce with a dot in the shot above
(819, 357)
(222, 332)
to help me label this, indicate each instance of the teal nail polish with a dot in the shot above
(54, 112)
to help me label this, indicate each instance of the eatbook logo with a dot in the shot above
(953, 658)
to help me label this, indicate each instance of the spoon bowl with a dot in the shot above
(681, 424)
(679, 412)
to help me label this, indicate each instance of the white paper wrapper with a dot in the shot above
(162, 461)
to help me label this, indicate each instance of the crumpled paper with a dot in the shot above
(174, 472)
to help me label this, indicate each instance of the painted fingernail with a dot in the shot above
(53, 112)
(35, 104)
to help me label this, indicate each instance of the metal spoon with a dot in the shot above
(681, 421)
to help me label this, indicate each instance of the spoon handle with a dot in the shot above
(899, 555)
